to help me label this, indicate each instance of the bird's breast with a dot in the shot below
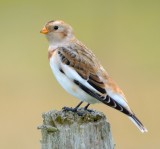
(66, 82)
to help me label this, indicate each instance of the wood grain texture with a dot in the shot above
(68, 130)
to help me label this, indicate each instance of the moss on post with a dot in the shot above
(68, 130)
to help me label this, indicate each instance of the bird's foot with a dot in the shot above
(86, 108)
(73, 110)
(69, 109)
(89, 110)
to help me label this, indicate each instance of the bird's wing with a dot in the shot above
(84, 64)
(90, 76)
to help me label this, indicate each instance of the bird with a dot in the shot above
(80, 73)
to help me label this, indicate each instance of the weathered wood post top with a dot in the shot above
(69, 130)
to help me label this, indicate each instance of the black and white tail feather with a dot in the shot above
(137, 122)
(126, 110)
(114, 104)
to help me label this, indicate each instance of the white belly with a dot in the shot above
(68, 83)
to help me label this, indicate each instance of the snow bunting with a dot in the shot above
(79, 72)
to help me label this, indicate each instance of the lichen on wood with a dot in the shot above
(68, 130)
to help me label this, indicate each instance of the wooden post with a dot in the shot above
(68, 130)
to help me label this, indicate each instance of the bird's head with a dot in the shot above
(57, 32)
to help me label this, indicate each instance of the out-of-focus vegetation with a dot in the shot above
(125, 36)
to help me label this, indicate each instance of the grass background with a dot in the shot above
(125, 36)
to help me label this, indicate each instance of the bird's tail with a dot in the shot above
(137, 122)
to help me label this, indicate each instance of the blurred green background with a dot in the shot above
(124, 35)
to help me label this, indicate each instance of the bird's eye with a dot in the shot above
(55, 27)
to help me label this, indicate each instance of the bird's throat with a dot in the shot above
(51, 51)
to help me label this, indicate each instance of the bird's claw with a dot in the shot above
(73, 110)
(69, 109)
(89, 110)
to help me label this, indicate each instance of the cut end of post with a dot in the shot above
(75, 130)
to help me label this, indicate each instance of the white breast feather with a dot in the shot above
(66, 80)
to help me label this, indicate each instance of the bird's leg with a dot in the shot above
(75, 109)
(72, 109)
(86, 108)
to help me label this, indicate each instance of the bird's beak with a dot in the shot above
(44, 30)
